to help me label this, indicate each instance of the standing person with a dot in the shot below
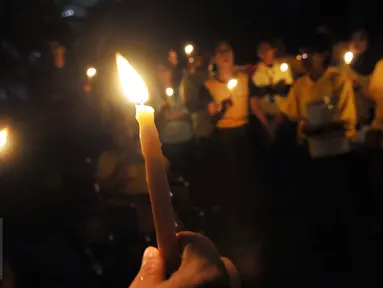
(322, 103)
(229, 111)
(174, 124)
(272, 81)
(177, 72)
(359, 73)
(192, 83)
(376, 154)
(202, 131)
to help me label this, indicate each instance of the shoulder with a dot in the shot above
(335, 76)
(241, 76)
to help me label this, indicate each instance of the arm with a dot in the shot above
(257, 110)
(207, 101)
(255, 107)
(348, 109)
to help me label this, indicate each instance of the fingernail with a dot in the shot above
(148, 254)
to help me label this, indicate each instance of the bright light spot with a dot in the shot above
(3, 137)
(91, 72)
(68, 13)
(191, 60)
(169, 92)
(232, 83)
(284, 67)
(131, 82)
(189, 49)
(304, 56)
(299, 57)
(348, 57)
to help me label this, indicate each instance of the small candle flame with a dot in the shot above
(131, 82)
(189, 49)
(232, 83)
(284, 67)
(91, 72)
(169, 92)
(3, 137)
(348, 57)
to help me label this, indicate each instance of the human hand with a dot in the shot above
(227, 103)
(200, 265)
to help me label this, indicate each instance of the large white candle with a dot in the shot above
(135, 89)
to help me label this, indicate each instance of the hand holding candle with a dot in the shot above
(156, 177)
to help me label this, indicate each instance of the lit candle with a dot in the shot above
(284, 67)
(348, 57)
(3, 137)
(232, 84)
(135, 89)
(189, 49)
(91, 72)
(169, 92)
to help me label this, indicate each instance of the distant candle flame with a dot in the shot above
(284, 67)
(131, 82)
(3, 137)
(189, 49)
(91, 72)
(232, 83)
(169, 92)
(348, 57)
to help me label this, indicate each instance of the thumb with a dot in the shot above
(152, 272)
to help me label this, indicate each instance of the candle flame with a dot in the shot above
(189, 49)
(232, 83)
(169, 92)
(284, 67)
(91, 72)
(348, 57)
(131, 82)
(3, 137)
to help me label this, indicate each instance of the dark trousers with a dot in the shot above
(179, 156)
(328, 199)
(235, 174)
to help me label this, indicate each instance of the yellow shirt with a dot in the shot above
(266, 76)
(331, 88)
(237, 115)
(376, 90)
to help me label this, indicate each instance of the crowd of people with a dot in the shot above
(255, 145)
(247, 138)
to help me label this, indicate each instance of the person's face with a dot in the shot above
(267, 55)
(359, 45)
(173, 58)
(315, 60)
(224, 57)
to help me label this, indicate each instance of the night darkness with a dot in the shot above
(171, 23)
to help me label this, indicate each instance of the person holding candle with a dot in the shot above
(225, 96)
(272, 81)
(322, 103)
(359, 71)
(174, 124)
